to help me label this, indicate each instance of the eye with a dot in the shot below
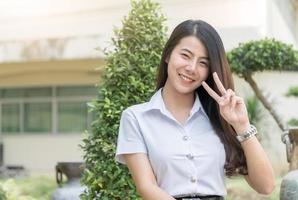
(184, 55)
(205, 64)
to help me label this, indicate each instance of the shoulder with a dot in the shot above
(136, 110)
(140, 109)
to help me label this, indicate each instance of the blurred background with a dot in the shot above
(51, 62)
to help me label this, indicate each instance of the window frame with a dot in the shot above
(54, 100)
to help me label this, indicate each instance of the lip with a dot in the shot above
(186, 78)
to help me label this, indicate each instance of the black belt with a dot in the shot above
(209, 197)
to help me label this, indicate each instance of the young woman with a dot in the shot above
(195, 129)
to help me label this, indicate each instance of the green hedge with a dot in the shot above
(129, 79)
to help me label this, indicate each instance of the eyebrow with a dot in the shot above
(187, 50)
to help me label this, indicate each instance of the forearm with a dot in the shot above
(153, 192)
(260, 172)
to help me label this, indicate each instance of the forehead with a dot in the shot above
(192, 44)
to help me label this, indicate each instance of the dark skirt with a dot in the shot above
(209, 197)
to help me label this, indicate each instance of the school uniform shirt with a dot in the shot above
(186, 159)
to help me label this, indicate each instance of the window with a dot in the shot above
(11, 121)
(46, 110)
(76, 91)
(72, 116)
(37, 117)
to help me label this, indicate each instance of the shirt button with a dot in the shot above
(185, 137)
(190, 156)
(193, 179)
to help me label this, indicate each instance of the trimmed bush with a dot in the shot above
(260, 55)
(129, 78)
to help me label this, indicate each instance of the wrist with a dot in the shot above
(250, 132)
(241, 128)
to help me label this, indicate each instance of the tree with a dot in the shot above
(260, 55)
(129, 78)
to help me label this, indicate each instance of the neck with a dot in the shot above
(177, 101)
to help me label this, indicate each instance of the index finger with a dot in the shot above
(211, 92)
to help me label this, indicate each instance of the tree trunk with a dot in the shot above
(264, 101)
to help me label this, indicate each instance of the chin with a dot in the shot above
(185, 90)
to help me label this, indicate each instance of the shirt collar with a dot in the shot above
(156, 102)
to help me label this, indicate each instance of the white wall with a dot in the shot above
(33, 19)
(274, 85)
(40, 153)
(81, 25)
(281, 21)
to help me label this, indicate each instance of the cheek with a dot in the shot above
(204, 73)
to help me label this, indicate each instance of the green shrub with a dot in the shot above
(11, 191)
(40, 187)
(129, 78)
(292, 91)
(293, 122)
(260, 55)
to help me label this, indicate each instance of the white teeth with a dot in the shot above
(185, 78)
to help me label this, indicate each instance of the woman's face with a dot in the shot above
(188, 65)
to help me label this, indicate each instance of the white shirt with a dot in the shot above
(186, 159)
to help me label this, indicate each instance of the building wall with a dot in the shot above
(274, 85)
(281, 21)
(73, 30)
(40, 153)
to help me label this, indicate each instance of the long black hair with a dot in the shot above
(235, 158)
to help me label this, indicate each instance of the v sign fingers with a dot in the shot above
(231, 107)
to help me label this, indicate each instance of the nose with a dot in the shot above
(191, 66)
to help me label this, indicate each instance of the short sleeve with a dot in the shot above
(130, 139)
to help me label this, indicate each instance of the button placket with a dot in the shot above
(185, 137)
(193, 179)
(190, 156)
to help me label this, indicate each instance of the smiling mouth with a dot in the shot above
(186, 78)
